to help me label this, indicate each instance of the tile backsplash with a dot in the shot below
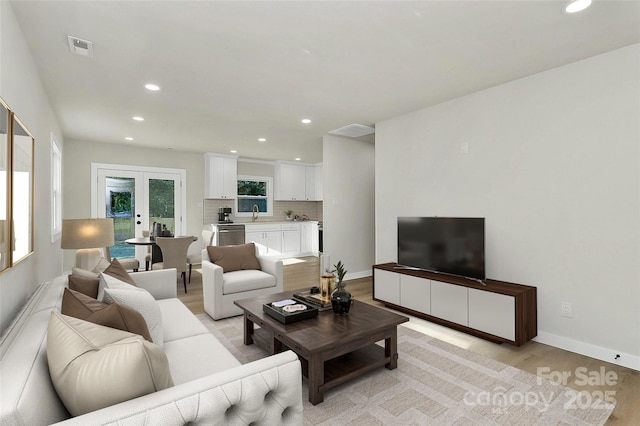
(313, 209)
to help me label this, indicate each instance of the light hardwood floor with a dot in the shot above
(532, 357)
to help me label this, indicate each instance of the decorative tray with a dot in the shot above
(281, 314)
(313, 299)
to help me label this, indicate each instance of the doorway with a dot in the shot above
(136, 197)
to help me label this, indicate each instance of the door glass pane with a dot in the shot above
(162, 203)
(120, 205)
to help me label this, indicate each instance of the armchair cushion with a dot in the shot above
(241, 281)
(93, 367)
(78, 305)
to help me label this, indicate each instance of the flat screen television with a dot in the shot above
(448, 245)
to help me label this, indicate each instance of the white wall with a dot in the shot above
(553, 166)
(21, 88)
(348, 203)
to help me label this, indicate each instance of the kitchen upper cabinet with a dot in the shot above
(220, 176)
(298, 182)
(313, 182)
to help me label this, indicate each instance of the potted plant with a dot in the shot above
(288, 213)
(340, 299)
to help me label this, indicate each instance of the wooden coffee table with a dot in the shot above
(332, 348)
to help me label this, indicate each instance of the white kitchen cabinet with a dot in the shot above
(298, 182)
(290, 182)
(386, 286)
(313, 186)
(291, 239)
(220, 176)
(493, 313)
(309, 238)
(415, 293)
(267, 237)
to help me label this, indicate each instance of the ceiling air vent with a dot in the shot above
(353, 131)
(80, 47)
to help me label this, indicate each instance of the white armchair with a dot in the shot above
(221, 289)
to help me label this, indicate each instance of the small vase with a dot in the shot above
(341, 301)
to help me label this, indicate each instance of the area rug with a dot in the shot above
(436, 383)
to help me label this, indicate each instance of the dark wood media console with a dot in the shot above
(497, 311)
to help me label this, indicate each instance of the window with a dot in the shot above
(254, 190)
(56, 190)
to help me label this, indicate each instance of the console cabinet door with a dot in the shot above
(386, 286)
(449, 302)
(415, 293)
(492, 313)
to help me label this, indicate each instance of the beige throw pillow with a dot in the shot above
(234, 258)
(93, 366)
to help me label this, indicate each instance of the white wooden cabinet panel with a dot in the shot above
(221, 176)
(415, 293)
(449, 302)
(492, 313)
(387, 286)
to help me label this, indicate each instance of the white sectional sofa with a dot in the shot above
(210, 385)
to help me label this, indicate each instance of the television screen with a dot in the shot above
(442, 244)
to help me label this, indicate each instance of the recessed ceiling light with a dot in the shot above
(152, 87)
(138, 118)
(262, 140)
(305, 121)
(298, 159)
(128, 138)
(576, 6)
(233, 151)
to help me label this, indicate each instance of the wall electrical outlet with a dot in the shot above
(566, 309)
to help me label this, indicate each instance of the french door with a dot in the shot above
(136, 197)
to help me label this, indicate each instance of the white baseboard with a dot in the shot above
(356, 275)
(590, 350)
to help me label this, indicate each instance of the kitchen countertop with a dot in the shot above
(269, 222)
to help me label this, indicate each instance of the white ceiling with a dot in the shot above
(234, 71)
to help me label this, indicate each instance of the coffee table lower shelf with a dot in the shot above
(336, 370)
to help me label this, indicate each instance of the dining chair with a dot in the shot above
(174, 255)
(207, 240)
(147, 257)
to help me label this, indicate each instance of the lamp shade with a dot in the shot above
(87, 233)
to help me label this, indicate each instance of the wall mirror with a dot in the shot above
(22, 190)
(4, 186)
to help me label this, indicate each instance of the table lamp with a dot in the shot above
(86, 235)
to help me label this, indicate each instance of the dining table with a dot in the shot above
(156, 252)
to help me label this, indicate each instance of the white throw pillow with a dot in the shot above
(93, 366)
(107, 281)
(142, 301)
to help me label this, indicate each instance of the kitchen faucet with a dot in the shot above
(254, 212)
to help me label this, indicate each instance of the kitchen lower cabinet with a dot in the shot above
(267, 237)
(291, 239)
